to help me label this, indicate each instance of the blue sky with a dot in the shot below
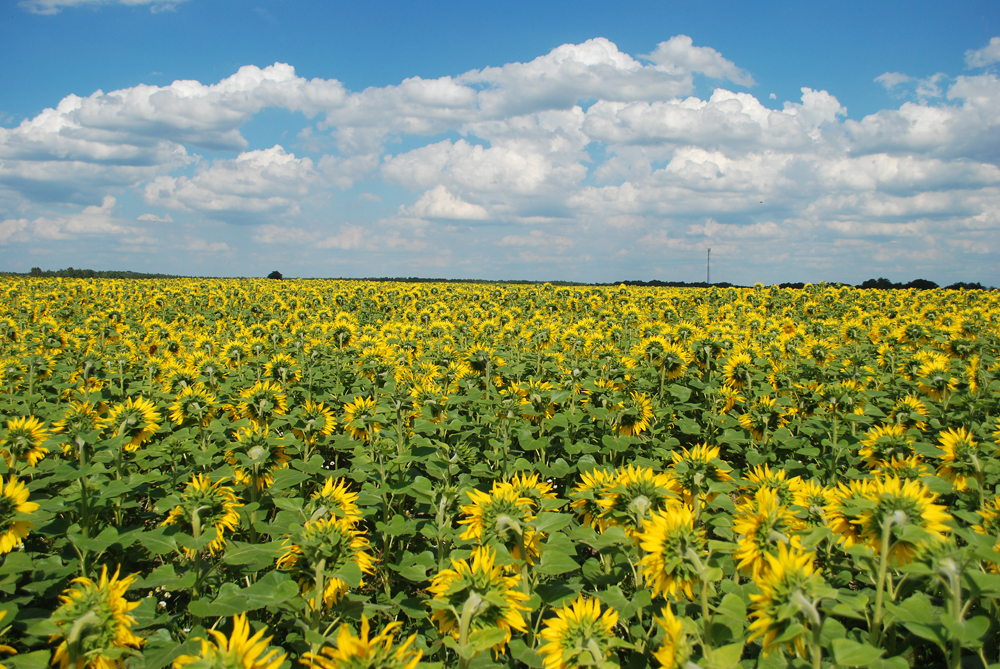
(580, 141)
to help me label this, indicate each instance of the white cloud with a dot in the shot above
(157, 219)
(204, 246)
(266, 181)
(890, 80)
(55, 6)
(679, 54)
(95, 220)
(440, 203)
(986, 56)
(584, 148)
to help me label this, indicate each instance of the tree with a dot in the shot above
(274, 275)
(36, 271)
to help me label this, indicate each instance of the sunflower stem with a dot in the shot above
(875, 633)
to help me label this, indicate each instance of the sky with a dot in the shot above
(577, 141)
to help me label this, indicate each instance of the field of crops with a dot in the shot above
(255, 474)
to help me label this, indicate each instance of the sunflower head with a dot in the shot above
(908, 508)
(959, 456)
(485, 593)
(136, 420)
(695, 469)
(239, 650)
(79, 420)
(763, 524)
(94, 622)
(23, 441)
(675, 650)
(336, 499)
(777, 480)
(360, 419)
(261, 402)
(193, 403)
(593, 486)
(787, 601)
(256, 455)
(204, 504)
(319, 420)
(503, 516)
(13, 501)
(366, 651)
(883, 443)
(324, 547)
(636, 493)
(635, 415)
(674, 552)
(580, 634)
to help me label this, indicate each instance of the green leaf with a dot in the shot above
(287, 477)
(238, 552)
(967, 631)
(557, 556)
(272, 589)
(727, 657)
(549, 522)
(853, 654)
(689, 426)
(159, 541)
(16, 563)
(36, 660)
(520, 650)
(415, 567)
(166, 577)
(486, 638)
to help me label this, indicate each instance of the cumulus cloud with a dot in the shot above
(679, 54)
(988, 55)
(95, 220)
(440, 203)
(56, 6)
(265, 181)
(585, 148)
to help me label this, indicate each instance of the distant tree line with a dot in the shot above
(880, 284)
(72, 273)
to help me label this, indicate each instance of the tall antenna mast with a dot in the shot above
(708, 268)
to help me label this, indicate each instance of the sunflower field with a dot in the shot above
(262, 474)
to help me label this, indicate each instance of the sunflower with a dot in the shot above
(905, 505)
(535, 400)
(261, 402)
(13, 501)
(883, 443)
(24, 440)
(674, 549)
(427, 396)
(696, 468)
(730, 398)
(579, 635)
(635, 415)
(912, 467)
(763, 477)
(910, 412)
(934, 376)
(847, 501)
(785, 608)
(361, 651)
(763, 416)
(193, 402)
(813, 499)
(238, 650)
(586, 496)
(281, 369)
(336, 499)
(532, 488)
(738, 371)
(94, 623)
(502, 516)
(205, 504)
(959, 457)
(78, 420)
(636, 493)
(762, 523)
(319, 421)
(675, 650)
(136, 420)
(488, 594)
(327, 545)
(360, 419)
(256, 457)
